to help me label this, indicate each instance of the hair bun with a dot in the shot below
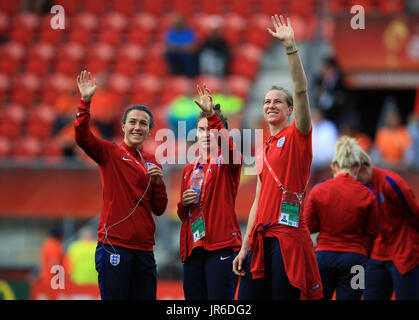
(217, 107)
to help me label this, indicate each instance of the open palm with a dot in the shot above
(283, 32)
(205, 100)
(87, 85)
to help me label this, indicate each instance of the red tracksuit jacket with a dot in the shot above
(399, 221)
(221, 225)
(345, 212)
(124, 179)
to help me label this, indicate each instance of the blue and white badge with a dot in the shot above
(219, 161)
(149, 164)
(280, 142)
(114, 259)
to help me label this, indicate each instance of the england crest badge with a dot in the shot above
(114, 259)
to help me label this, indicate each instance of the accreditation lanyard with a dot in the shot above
(291, 201)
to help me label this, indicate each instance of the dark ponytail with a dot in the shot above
(217, 110)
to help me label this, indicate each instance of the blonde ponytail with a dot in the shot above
(347, 154)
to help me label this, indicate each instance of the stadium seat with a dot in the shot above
(147, 83)
(9, 7)
(336, 7)
(97, 7)
(368, 5)
(51, 151)
(271, 7)
(51, 36)
(155, 7)
(39, 58)
(186, 7)
(85, 21)
(304, 8)
(80, 36)
(27, 21)
(126, 7)
(139, 37)
(54, 84)
(5, 83)
(260, 38)
(12, 50)
(156, 65)
(27, 82)
(114, 21)
(144, 21)
(70, 6)
(71, 51)
(12, 118)
(5, 147)
(26, 149)
(174, 86)
(238, 85)
(242, 7)
(119, 83)
(40, 121)
(99, 57)
(110, 36)
(212, 6)
(67, 66)
(21, 35)
(214, 84)
(4, 23)
(390, 7)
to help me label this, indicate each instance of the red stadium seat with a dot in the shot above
(214, 84)
(67, 66)
(4, 23)
(156, 65)
(115, 21)
(12, 50)
(368, 5)
(27, 21)
(139, 37)
(238, 85)
(95, 6)
(51, 36)
(9, 7)
(305, 8)
(5, 147)
(147, 83)
(5, 83)
(212, 6)
(155, 7)
(85, 21)
(145, 22)
(39, 58)
(271, 7)
(53, 85)
(40, 121)
(72, 51)
(186, 7)
(11, 119)
(26, 149)
(260, 38)
(174, 86)
(390, 7)
(70, 6)
(27, 82)
(336, 7)
(126, 7)
(140, 97)
(110, 36)
(51, 150)
(80, 36)
(242, 7)
(119, 83)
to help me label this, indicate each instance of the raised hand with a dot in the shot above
(87, 85)
(283, 32)
(205, 100)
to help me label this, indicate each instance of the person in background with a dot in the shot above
(394, 260)
(207, 259)
(51, 254)
(392, 141)
(180, 43)
(80, 258)
(325, 135)
(214, 53)
(345, 213)
(277, 258)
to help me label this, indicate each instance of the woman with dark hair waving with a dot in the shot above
(210, 234)
(277, 257)
(133, 189)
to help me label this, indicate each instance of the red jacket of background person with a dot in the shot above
(345, 213)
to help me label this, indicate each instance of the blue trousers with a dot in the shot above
(335, 271)
(125, 274)
(208, 275)
(382, 277)
(275, 284)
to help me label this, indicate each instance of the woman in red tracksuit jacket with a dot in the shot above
(345, 213)
(133, 189)
(394, 261)
(207, 259)
(277, 258)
